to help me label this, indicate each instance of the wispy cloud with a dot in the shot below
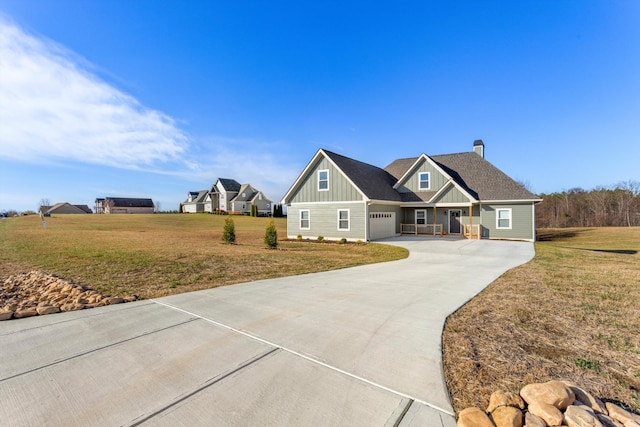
(55, 109)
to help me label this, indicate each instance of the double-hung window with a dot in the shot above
(503, 219)
(343, 219)
(305, 222)
(323, 180)
(425, 183)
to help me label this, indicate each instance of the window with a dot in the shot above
(421, 217)
(343, 219)
(305, 224)
(424, 181)
(503, 218)
(323, 180)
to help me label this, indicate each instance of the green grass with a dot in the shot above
(155, 255)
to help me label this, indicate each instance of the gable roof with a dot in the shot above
(196, 196)
(66, 208)
(375, 183)
(245, 193)
(473, 174)
(229, 184)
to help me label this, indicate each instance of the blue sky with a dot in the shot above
(153, 98)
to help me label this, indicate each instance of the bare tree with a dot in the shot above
(43, 202)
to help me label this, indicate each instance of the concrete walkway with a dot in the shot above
(352, 347)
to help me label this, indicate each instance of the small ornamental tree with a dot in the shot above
(229, 233)
(271, 236)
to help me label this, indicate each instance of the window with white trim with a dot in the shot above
(343, 219)
(323, 180)
(503, 219)
(305, 222)
(425, 183)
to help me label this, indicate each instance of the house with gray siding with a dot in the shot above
(458, 194)
(227, 196)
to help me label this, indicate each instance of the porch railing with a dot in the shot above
(432, 229)
(472, 231)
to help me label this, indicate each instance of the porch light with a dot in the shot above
(464, 212)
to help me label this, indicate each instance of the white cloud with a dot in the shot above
(53, 108)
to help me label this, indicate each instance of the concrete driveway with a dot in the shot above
(352, 347)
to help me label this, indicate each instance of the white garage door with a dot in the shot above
(381, 225)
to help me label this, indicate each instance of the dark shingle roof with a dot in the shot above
(125, 202)
(476, 175)
(375, 183)
(481, 179)
(230, 184)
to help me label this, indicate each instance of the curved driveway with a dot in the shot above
(352, 347)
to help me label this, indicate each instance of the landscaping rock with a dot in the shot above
(607, 421)
(504, 398)
(28, 312)
(554, 393)
(531, 420)
(507, 416)
(585, 397)
(620, 415)
(474, 417)
(36, 293)
(549, 413)
(576, 416)
(47, 310)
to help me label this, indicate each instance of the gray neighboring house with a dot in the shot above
(458, 194)
(65, 208)
(227, 196)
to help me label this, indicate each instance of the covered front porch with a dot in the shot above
(451, 221)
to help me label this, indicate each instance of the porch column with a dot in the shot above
(435, 211)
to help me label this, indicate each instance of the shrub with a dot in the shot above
(299, 237)
(358, 242)
(271, 236)
(320, 238)
(342, 241)
(229, 233)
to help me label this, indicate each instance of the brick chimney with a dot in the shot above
(478, 147)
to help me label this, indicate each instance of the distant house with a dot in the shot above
(65, 208)
(459, 194)
(227, 196)
(124, 205)
(195, 202)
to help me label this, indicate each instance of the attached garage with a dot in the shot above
(382, 225)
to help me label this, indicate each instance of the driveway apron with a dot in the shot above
(351, 347)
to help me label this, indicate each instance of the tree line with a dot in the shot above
(615, 206)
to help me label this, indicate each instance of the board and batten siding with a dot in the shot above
(323, 221)
(452, 195)
(412, 183)
(522, 220)
(340, 189)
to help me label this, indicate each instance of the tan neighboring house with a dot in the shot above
(124, 205)
(65, 208)
(227, 196)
